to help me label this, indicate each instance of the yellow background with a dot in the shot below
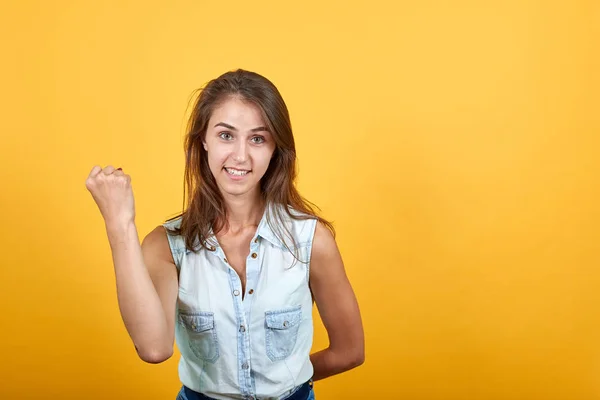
(455, 144)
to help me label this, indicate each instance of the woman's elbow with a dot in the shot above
(353, 359)
(155, 356)
(357, 360)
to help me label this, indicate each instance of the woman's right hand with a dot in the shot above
(112, 192)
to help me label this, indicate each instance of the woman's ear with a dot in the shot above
(204, 145)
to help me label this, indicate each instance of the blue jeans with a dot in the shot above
(303, 392)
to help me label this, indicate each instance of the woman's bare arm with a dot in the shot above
(338, 308)
(146, 279)
(146, 274)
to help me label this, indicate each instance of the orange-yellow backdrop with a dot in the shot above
(454, 144)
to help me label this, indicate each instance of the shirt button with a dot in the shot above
(212, 248)
(251, 291)
(242, 329)
(236, 292)
(245, 365)
(225, 260)
(254, 255)
(285, 324)
(256, 240)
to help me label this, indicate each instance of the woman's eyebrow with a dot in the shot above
(259, 129)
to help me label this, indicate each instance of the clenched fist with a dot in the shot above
(111, 190)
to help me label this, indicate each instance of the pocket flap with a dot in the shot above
(284, 319)
(198, 322)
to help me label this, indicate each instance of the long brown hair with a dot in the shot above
(204, 207)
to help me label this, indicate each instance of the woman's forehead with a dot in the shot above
(238, 113)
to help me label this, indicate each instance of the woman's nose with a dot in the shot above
(241, 152)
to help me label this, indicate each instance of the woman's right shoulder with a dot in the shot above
(161, 243)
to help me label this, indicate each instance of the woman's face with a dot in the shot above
(239, 147)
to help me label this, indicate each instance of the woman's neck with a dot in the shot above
(243, 213)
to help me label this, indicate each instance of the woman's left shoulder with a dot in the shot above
(324, 242)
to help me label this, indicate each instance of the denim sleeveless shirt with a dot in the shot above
(255, 347)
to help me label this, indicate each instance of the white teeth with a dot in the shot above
(235, 172)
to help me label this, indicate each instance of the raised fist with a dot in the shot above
(112, 192)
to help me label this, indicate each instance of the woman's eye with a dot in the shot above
(258, 139)
(225, 135)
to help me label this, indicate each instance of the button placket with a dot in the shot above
(250, 266)
(253, 268)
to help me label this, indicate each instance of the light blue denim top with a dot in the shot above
(255, 347)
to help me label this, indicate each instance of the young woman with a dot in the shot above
(233, 278)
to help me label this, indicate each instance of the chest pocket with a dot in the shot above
(282, 331)
(202, 336)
